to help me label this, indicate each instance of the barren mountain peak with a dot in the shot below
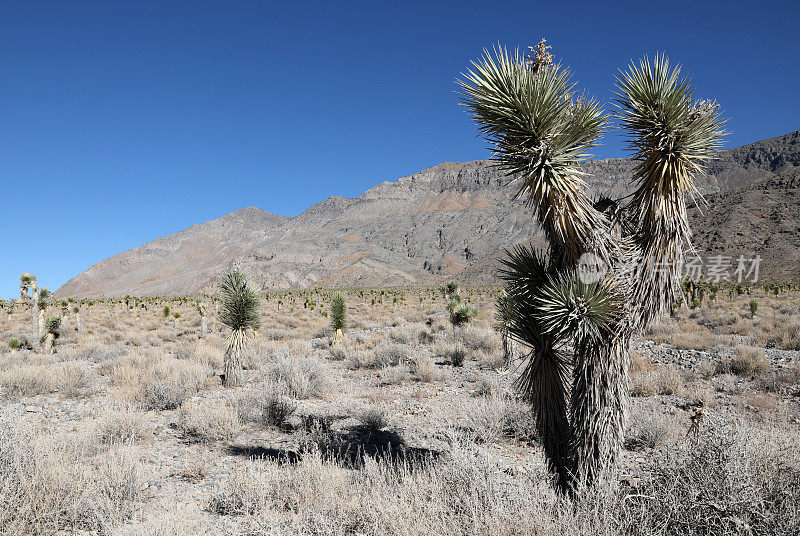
(452, 219)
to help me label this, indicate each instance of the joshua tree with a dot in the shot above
(460, 313)
(610, 267)
(449, 289)
(338, 317)
(201, 310)
(26, 281)
(41, 307)
(52, 332)
(240, 312)
(504, 315)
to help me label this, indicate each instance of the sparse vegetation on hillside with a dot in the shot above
(129, 429)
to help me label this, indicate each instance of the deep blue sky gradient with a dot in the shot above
(120, 124)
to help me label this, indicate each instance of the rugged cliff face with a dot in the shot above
(451, 220)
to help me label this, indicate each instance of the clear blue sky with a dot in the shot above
(120, 124)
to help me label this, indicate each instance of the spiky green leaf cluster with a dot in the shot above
(338, 312)
(26, 280)
(541, 131)
(462, 313)
(569, 308)
(53, 326)
(44, 294)
(240, 302)
(672, 136)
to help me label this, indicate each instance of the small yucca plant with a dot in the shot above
(240, 312)
(460, 312)
(338, 317)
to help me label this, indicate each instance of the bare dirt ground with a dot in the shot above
(127, 429)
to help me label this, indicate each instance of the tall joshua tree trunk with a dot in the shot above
(35, 313)
(201, 310)
(528, 109)
(233, 358)
(40, 325)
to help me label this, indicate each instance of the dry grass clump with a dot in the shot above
(453, 352)
(404, 335)
(208, 354)
(668, 380)
(122, 427)
(393, 375)
(303, 377)
(728, 482)
(50, 484)
(642, 384)
(208, 421)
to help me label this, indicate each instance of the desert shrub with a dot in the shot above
(392, 354)
(393, 375)
(303, 377)
(479, 340)
(168, 383)
(668, 380)
(403, 335)
(269, 405)
(337, 353)
(749, 360)
(648, 432)
(422, 367)
(207, 422)
(127, 427)
(70, 379)
(643, 384)
(488, 386)
(790, 338)
(14, 343)
(52, 485)
(208, 355)
(372, 420)
(732, 482)
(492, 418)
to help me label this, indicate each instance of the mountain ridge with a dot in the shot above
(447, 220)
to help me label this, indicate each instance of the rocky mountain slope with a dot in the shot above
(451, 220)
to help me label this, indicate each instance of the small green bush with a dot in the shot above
(14, 343)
